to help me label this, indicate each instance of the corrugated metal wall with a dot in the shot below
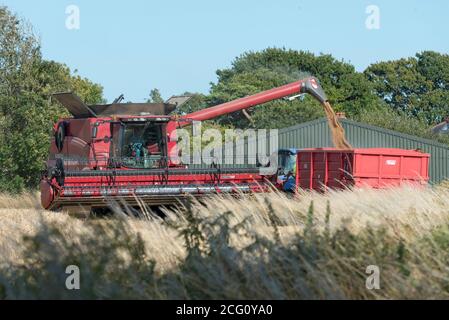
(315, 134)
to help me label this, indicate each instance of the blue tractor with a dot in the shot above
(287, 169)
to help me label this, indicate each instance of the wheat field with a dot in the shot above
(267, 246)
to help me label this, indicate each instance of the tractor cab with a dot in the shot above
(287, 161)
(287, 169)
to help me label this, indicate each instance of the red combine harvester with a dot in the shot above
(122, 151)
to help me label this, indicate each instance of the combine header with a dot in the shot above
(123, 152)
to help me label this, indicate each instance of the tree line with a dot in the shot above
(407, 95)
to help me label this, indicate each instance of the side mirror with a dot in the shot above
(94, 131)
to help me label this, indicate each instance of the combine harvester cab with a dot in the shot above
(123, 152)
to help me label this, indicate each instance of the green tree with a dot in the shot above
(386, 117)
(347, 90)
(155, 96)
(417, 86)
(91, 93)
(27, 113)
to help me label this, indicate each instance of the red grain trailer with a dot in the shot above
(323, 168)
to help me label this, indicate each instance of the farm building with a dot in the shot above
(316, 134)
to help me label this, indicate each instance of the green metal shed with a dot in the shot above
(316, 134)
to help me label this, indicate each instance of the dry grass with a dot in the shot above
(402, 216)
(406, 212)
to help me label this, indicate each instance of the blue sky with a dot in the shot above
(133, 46)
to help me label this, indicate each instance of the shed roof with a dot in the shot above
(369, 127)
